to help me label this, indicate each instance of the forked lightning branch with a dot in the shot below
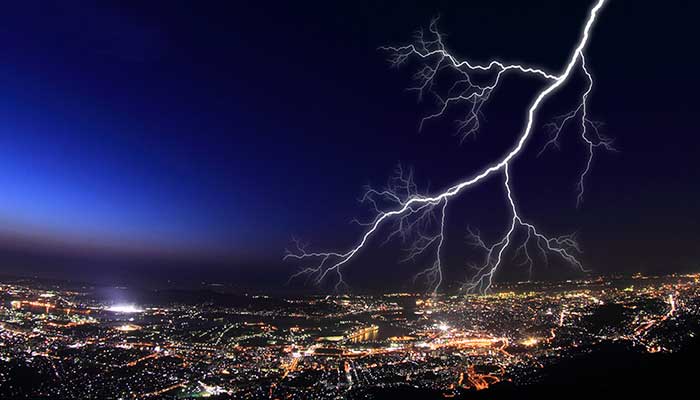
(402, 212)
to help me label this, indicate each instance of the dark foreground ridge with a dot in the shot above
(607, 372)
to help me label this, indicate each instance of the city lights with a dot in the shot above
(321, 346)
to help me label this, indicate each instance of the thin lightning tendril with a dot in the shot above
(414, 215)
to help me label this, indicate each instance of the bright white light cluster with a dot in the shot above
(419, 219)
(125, 309)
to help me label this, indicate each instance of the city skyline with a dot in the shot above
(522, 339)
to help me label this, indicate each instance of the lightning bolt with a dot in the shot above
(419, 218)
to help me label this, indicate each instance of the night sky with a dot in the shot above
(144, 140)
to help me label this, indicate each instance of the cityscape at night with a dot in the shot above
(67, 342)
(349, 199)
